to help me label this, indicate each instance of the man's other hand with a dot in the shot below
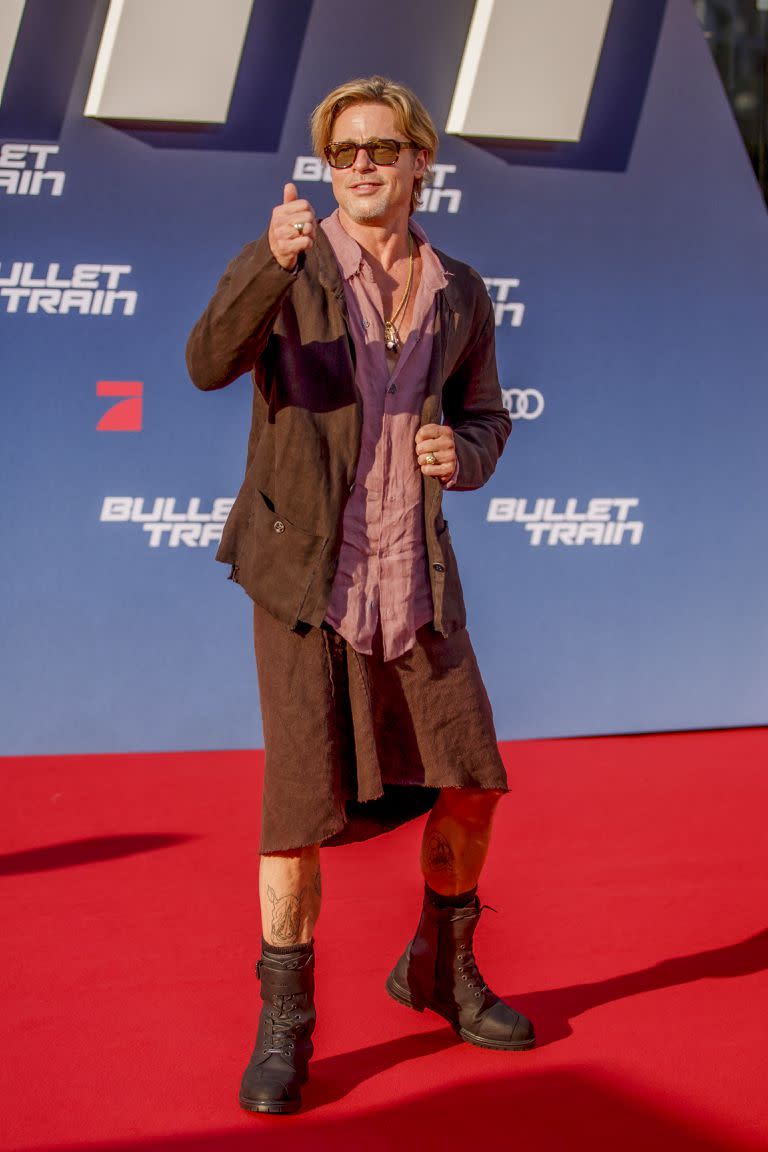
(436, 440)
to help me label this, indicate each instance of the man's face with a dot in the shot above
(367, 193)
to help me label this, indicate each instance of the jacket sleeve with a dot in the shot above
(231, 334)
(473, 407)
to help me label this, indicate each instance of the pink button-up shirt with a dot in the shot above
(382, 573)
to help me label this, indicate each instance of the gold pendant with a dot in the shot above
(390, 336)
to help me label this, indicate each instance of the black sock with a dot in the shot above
(461, 900)
(290, 949)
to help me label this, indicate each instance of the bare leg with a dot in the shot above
(289, 890)
(290, 895)
(456, 838)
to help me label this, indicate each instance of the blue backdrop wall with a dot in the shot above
(615, 565)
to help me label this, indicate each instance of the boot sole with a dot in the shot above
(277, 1107)
(402, 996)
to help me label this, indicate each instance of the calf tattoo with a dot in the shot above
(286, 916)
(440, 856)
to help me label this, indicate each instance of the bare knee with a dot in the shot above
(469, 805)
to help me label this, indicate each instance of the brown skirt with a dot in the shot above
(355, 745)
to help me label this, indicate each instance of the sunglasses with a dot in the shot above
(383, 152)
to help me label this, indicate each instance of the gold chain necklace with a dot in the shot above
(391, 334)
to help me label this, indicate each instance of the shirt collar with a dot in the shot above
(350, 257)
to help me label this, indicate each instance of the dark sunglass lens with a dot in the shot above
(383, 152)
(341, 155)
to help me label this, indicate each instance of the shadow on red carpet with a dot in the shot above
(554, 1008)
(87, 850)
(549, 1111)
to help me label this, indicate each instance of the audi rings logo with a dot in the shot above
(523, 403)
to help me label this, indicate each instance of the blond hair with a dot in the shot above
(411, 117)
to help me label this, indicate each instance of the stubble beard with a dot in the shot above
(366, 209)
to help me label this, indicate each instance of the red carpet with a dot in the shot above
(630, 876)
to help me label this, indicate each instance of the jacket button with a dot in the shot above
(438, 568)
(352, 487)
(279, 526)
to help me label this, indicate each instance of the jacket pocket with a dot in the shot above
(277, 560)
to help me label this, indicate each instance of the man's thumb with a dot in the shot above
(289, 193)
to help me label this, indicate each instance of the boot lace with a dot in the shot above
(281, 1026)
(466, 964)
(470, 973)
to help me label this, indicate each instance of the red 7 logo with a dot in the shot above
(125, 416)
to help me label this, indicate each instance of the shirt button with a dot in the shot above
(279, 526)
(438, 568)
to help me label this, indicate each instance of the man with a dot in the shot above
(360, 338)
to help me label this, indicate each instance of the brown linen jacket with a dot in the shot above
(290, 330)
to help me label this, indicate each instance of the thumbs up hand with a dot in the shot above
(292, 228)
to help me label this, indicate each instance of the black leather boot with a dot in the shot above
(279, 1064)
(438, 970)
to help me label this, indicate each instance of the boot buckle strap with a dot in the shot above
(287, 982)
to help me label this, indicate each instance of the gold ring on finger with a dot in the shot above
(430, 458)
(299, 227)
